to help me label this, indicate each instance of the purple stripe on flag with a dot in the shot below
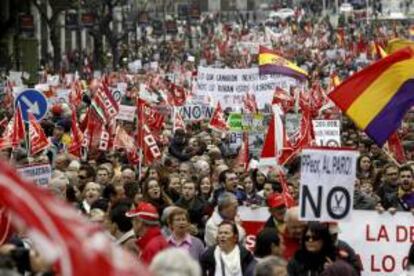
(390, 117)
(282, 70)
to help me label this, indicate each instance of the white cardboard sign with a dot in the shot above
(327, 184)
(39, 174)
(327, 133)
(126, 113)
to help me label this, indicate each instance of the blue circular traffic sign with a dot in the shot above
(31, 100)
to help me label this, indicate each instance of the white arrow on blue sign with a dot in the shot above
(31, 100)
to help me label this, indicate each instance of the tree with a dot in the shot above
(57, 7)
(103, 12)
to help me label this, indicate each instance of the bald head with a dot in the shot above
(294, 227)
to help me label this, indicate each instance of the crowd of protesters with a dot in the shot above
(179, 215)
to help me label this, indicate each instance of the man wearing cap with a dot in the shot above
(277, 209)
(145, 223)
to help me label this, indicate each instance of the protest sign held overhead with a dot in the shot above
(327, 179)
(327, 133)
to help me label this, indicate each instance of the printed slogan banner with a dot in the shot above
(381, 240)
(327, 184)
(229, 86)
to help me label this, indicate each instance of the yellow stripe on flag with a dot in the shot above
(380, 92)
(268, 58)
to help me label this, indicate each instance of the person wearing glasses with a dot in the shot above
(317, 251)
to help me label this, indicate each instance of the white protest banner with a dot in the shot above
(229, 86)
(327, 133)
(126, 113)
(196, 112)
(39, 174)
(252, 221)
(327, 179)
(381, 240)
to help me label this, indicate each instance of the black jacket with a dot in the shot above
(208, 262)
(180, 150)
(307, 264)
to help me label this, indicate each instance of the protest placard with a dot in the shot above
(229, 86)
(327, 133)
(235, 122)
(381, 240)
(196, 112)
(292, 125)
(126, 113)
(39, 174)
(327, 184)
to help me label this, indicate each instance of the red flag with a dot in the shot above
(178, 121)
(75, 96)
(146, 113)
(5, 225)
(105, 102)
(276, 141)
(283, 98)
(396, 148)
(217, 120)
(18, 133)
(95, 135)
(249, 101)
(242, 158)
(123, 140)
(176, 95)
(63, 237)
(37, 138)
(77, 137)
(147, 142)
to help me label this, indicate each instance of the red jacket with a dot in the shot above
(150, 244)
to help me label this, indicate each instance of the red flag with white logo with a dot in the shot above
(148, 115)
(178, 121)
(147, 142)
(77, 137)
(176, 95)
(37, 138)
(18, 134)
(217, 121)
(60, 234)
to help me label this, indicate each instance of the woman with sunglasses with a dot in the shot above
(317, 252)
